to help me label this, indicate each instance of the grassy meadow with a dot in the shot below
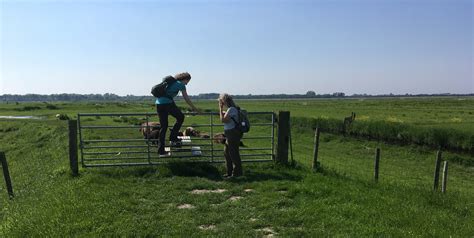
(193, 200)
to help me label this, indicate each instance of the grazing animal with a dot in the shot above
(151, 131)
(348, 121)
(62, 116)
(190, 131)
(221, 139)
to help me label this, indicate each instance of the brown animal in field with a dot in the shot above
(220, 138)
(348, 121)
(190, 131)
(151, 131)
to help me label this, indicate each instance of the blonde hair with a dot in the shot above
(227, 99)
(183, 76)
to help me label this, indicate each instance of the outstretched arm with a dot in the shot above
(188, 101)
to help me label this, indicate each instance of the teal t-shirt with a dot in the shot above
(172, 91)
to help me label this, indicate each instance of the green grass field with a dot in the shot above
(449, 112)
(183, 199)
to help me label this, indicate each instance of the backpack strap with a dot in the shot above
(169, 78)
(238, 114)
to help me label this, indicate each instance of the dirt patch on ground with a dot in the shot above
(268, 231)
(248, 190)
(203, 191)
(185, 206)
(207, 227)
(235, 198)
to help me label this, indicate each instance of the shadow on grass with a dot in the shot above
(252, 172)
(258, 176)
(124, 172)
(184, 169)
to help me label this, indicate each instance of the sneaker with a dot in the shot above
(165, 155)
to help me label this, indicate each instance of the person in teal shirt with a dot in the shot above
(166, 106)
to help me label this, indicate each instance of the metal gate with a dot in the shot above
(114, 139)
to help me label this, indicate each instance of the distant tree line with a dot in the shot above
(70, 97)
(114, 97)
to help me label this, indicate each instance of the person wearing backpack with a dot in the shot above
(165, 105)
(233, 135)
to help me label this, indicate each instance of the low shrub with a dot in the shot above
(28, 108)
(52, 107)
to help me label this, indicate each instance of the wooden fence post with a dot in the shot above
(377, 161)
(6, 174)
(73, 147)
(445, 177)
(283, 137)
(316, 149)
(436, 172)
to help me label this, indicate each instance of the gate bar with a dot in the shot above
(154, 114)
(133, 146)
(170, 157)
(165, 162)
(183, 126)
(144, 152)
(150, 140)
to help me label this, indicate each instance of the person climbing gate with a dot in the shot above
(165, 93)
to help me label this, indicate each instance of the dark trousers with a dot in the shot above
(231, 152)
(163, 111)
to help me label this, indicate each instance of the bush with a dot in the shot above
(51, 107)
(28, 108)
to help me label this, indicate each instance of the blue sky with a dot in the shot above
(239, 47)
